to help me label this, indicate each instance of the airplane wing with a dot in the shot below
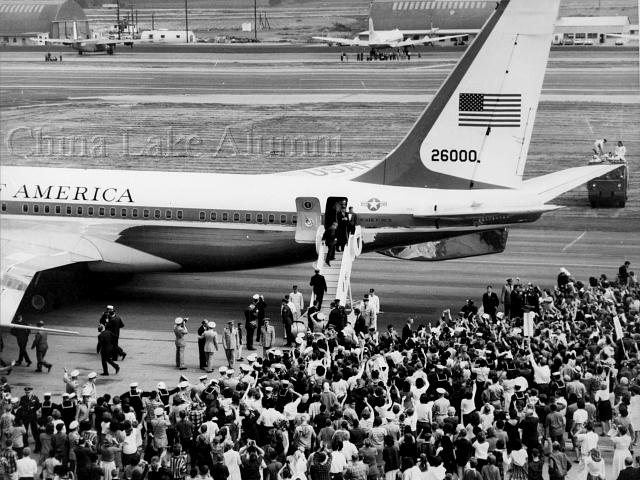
(26, 250)
(347, 42)
(424, 41)
(548, 187)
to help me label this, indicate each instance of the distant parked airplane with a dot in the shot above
(623, 38)
(86, 45)
(387, 39)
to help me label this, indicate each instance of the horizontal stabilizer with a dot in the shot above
(41, 329)
(548, 187)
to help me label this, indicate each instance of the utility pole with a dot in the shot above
(255, 20)
(186, 20)
(118, 17)
(153, 23)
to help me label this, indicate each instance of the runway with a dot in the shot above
(364, 109)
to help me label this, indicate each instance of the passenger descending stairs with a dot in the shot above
(338, 275)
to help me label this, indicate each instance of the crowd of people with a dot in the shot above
(477, 395)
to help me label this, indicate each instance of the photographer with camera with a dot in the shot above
(180, 330)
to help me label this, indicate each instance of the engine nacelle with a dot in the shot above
(466, 245)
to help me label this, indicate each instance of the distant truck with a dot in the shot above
(609, 190)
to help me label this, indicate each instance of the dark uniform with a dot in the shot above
(202, 358)
(114, 323)
(319, 285)
(105, 349)
(251, 323)
(135, 401)
(261, 312)
(68, 411)
(28, 413)
(47, 407)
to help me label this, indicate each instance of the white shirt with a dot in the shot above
(374, 300)
(26, 467)
(580, 416)
(298, 301)
(338, 462)
(588, 441)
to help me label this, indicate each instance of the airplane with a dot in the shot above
(86, 45)
(450, 189)
(382, 39)
(624, 37)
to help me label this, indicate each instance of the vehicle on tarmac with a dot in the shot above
(610, 189)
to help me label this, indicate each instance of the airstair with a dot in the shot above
(338, 275)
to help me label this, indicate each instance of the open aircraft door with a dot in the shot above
(309, 219)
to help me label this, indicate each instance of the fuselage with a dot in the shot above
(208, 222)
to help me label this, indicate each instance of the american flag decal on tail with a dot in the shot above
(489, 109)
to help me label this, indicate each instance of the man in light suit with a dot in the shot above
(210, 337)
(180, 330)
(268, 337)
(230, 342)
(369, 313)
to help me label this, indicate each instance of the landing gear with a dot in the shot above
(110, 51)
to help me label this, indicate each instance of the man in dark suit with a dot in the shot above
(319, 285)
(113, 323)
(490, 302)
(630, 472)
(287, 321)
(353, 221)
(105, 349)
(407, 330)
(202, 358)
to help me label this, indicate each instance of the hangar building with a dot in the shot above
(458, 15)
(23, 20)
(589, 30)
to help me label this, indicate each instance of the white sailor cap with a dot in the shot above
(86, 392)
(244, 367)
(161, 386)
(74, 373)
(213, 380)
(211, 324)
(486, 316)
(230, 371)
(159, 411)
(92, 375)
(223, 369)
(299, 341)
(256, 365)
(202, 377)
(278, 353)
(109, 307)
(256, 296)
(73, 425)
(441, 390)
(133, 385)
(183, 384)
(178, 320)
(252, 358)
(46, 394)
(72, 395)
(268, 389)
(15, 399)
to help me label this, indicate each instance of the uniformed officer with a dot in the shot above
(28, 408)
(72, 385)
(90, 387)
(134, 395)
(68, 409)
(47, 407)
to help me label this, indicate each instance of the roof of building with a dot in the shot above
(617, 21)
(423, 14)
(18, 17)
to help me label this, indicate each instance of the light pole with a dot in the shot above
(255, 20)
(186, 20)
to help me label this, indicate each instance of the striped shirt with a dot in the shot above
(178, 466)
(8, 461)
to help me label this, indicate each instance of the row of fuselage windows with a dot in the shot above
(158, 214)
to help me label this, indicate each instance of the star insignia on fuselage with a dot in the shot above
(374, 204)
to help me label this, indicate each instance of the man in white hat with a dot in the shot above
(230, 342)
(180, 330)
(210, 337)
(72, 385)
(90, 387)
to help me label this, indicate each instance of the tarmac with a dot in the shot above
(369, 106)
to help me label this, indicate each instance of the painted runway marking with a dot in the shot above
(576, 240)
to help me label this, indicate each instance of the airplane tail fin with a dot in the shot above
(475, 133)
(371, 30)
(75, 30)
